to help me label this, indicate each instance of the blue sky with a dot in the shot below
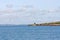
(29, 11)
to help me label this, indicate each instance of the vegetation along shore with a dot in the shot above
(46, 24)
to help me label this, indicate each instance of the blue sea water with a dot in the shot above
(29, 32)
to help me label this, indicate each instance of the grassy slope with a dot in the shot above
(43, 24)
(52, 23)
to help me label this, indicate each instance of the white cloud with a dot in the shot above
(27, 15)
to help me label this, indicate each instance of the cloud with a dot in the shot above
(29, 9)
(27, 15)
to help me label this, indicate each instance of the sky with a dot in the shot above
(29, 11)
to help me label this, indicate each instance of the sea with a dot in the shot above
(24, 32)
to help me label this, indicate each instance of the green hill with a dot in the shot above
(52, 23)
(47, 24)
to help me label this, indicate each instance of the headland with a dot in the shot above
(46, 24)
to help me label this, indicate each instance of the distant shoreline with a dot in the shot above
(46, 24)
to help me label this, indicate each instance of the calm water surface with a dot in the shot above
(29, 32)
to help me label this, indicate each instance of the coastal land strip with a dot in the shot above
(46, 24)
